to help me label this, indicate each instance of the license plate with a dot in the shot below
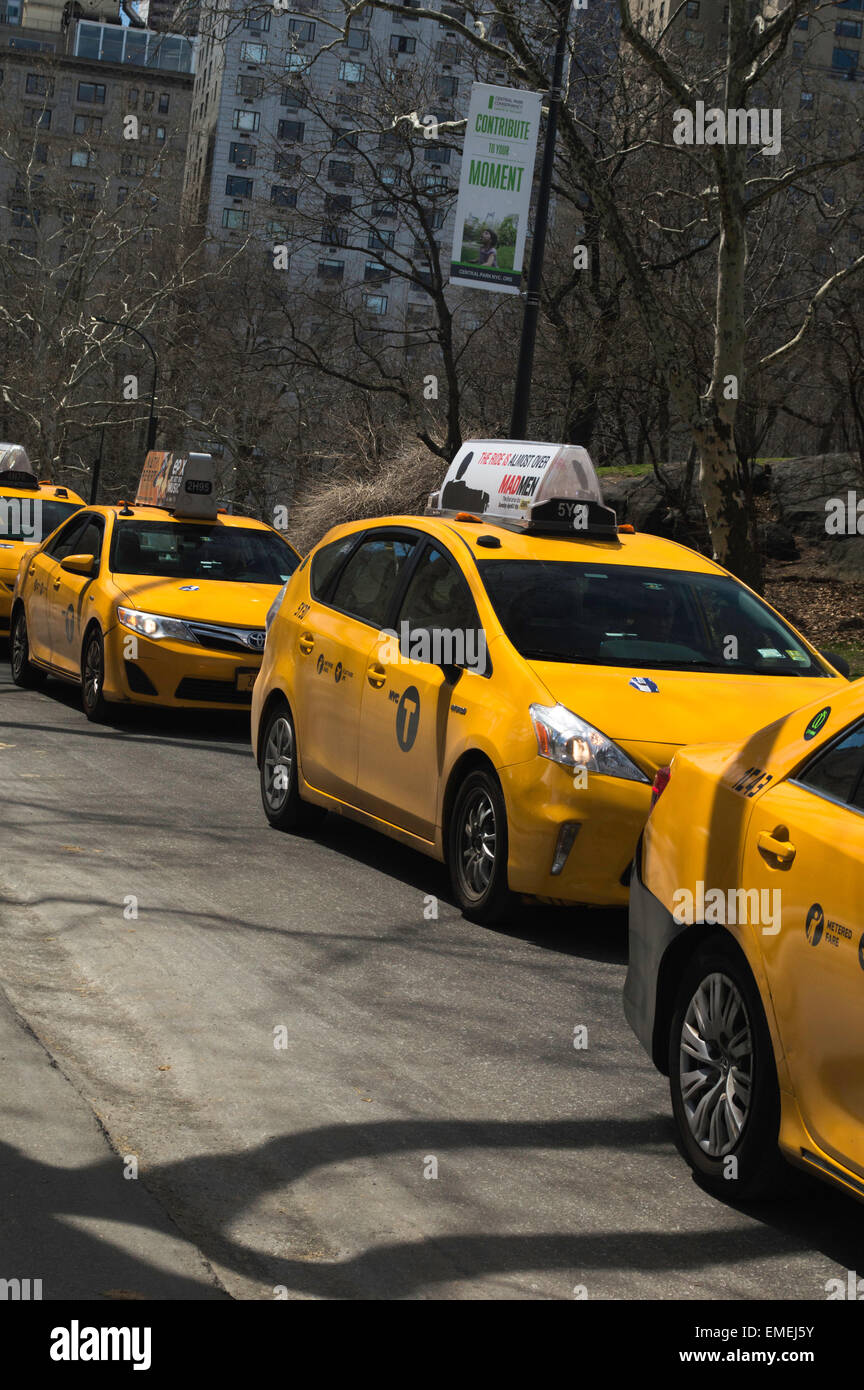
(244, 679)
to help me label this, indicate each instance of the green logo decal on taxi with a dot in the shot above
(817, 722)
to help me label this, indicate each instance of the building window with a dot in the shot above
(85, 191)
(381, 241)
(33, 116)
(692, 10)
(376, 272)
(246, 120)
(375, 303)
(448, 86)
(283, 196)
(286, 163)
(164, 99)
(806, 99)
(401, 43)
(235, 218)
(253, 53)
(340, 172)
(257, 21)
(296, 62)
(384, 211)
(848, 29)
(802, 22)
(845, 60)
(249, 86)
(237, 188)
(39, 86)
(92, 91)
(144, 133)
(82, 159)
(282, 230)
(331, 235)
(132, 96)
(798, 50)
(436, 183)
(358, 40)
(122, 194)
(352, 72)
(302, 29)
(241, 155)
(293, 98)
(437, 154)
(149, 98)
(828, 196)
(331, 270)
(345, 140)
(390, 174)
(160, 132)
(133, 164)
(694, 37)
(24, 217)
(437, 220)
(337, 204)
(291, 130)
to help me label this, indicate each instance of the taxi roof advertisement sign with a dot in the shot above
(495, 188)
(182, 483)
(506, 477)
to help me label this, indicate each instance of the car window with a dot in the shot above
(325, 563)
(368, 582)
(438, 603)
(838, 771)
(90, 540)
(32, 519)
(191, 550)
(66, 541)
(620, 615)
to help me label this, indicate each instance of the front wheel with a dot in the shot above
(477, 849)
(24, 673)
(280, 792)
(93, 677)
(723, 1078)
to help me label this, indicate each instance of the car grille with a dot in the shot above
(217, 692)
(228, 639)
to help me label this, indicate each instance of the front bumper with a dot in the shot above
(176, 674)
(610, 813)
(651, 931)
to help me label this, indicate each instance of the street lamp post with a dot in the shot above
(522, 393)
(127, 328)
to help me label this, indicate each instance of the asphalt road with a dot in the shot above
(159, 939)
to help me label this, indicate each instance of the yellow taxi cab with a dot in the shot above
(746, 975)
(496, 682)
(160, 603)
(30, 510)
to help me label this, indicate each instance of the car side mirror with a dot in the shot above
(79, 564)
(838, 662)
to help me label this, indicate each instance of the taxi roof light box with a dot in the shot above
(530, 486)
(16, 470)
(183, 484)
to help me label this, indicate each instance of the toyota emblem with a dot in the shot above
(256, 640)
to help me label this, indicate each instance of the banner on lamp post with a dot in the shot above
(495, 188)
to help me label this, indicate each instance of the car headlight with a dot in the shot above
(275, 606)
(565, 738)
(153, 625)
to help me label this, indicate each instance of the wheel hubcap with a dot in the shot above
(477, 843)
(19, 646)
(278, 763)
(716, 1065)
(92, 674)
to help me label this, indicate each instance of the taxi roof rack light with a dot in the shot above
(16, 470)
(545, 489)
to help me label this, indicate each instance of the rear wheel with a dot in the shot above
(477, 849)
(24, 673)
(93, 677)
(723, 1078)
(280, 793)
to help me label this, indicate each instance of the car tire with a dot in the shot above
(728, 1108)
(93, 700)
(477, 849)
(24, 673)
(283, 805)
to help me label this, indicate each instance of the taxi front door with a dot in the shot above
(40, 576)
(333, 640)
(71, 600)
(805, 838)
(414, 685)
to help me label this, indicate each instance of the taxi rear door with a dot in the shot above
(349, 602)
(71, 597)
(805, 837)
(415, 683)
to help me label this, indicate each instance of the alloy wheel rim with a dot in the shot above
(92, 673)
(477, 844)
(19, 647)
(716, 1065)
(278, 763)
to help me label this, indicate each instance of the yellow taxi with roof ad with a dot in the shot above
(160, 603)
(496, 683)
(746, 974)
(30, 510)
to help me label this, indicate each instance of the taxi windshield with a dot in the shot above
(617, 615)
(32, 518)
(184, 550)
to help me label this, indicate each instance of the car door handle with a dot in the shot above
(56, 584)
(770, 847)
(32, 570)
(376, 675)
(307, 642)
